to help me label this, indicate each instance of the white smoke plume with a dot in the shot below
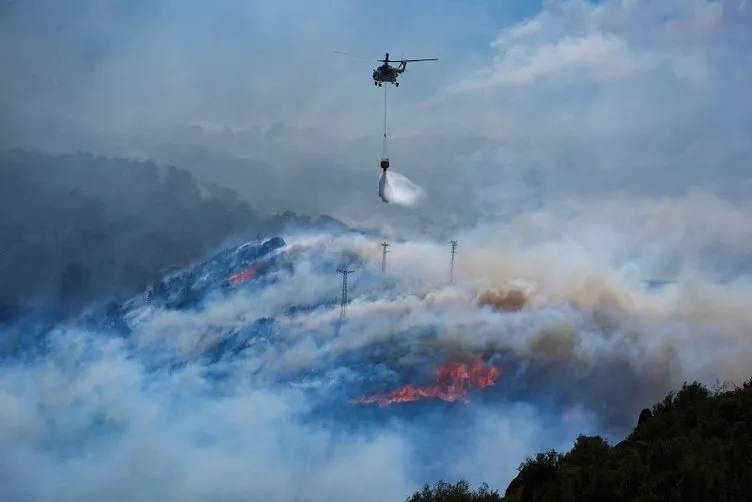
(396, 188)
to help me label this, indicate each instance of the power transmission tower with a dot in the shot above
(451, 261)
(384, 245)
(343, 302)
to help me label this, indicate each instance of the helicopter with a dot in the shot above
(386, 73)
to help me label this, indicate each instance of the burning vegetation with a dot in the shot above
(454, 381)
(243, 275)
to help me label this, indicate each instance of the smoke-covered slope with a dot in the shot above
(235, 378)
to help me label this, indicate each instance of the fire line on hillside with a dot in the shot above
(454, 381)
(244, 275)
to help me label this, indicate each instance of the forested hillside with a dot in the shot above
(78, 228)
(695, 445)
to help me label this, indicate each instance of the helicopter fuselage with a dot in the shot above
(387, 74)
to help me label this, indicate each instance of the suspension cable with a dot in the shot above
(384, 151)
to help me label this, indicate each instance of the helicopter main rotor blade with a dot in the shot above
(406, 60)
(351, 55)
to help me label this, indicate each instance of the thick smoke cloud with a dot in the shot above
(249, 392)
(513, 299)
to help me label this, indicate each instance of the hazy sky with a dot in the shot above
(532, 103)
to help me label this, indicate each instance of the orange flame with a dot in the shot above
(243, 275)
(454, 381)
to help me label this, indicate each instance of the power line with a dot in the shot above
(453, 243)
(384, 246)
(343, 302)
